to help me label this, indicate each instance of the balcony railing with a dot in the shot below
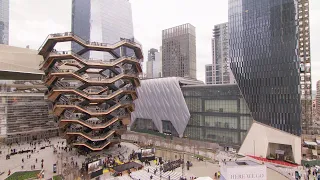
(57, 35)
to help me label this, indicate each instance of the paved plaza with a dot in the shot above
(64, 166)
(61, 158)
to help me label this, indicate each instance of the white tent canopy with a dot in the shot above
(310, 143)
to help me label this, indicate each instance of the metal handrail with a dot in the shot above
(55, 35)
(102, 123)
(90, 135)
(90, 60)
(97, 109)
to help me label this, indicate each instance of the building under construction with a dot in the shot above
(92, 99)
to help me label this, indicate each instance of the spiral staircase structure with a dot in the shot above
(92, 99)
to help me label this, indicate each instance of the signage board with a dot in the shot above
(257, 172)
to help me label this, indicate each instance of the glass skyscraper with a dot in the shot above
(264, 60)
(102, 21)
(4, 21)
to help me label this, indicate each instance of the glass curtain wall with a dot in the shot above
(263, 53)
(218, 114)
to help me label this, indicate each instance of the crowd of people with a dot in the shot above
(170, 166)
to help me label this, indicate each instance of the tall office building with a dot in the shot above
(220, 56)
(305, 66)
(265, 62)
(317, 104)
(102, 21)
(4, 21)
(179, 51)
(208, 76)
(154, 64)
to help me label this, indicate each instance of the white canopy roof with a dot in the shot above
(310, 143)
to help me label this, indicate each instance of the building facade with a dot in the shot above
(154, 64)
(264, 60)
(317, 104)
(104, 21)
(188, 108)
(179, 51)
(4, 21)
(218, 113)
(220, 56)
(208, 75)
(305, 66)
(24, 114)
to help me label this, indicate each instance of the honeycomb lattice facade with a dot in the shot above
(92, 99)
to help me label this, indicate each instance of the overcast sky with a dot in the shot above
(32, 20)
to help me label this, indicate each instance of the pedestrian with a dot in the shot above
(22, 160)
(36, 160)
(9, 172)
(21, 166)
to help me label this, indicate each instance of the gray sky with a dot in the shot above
(32, 20)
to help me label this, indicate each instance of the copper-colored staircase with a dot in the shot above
(91, 97)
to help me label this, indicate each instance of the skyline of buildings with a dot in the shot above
(179, 51)
(277, 100)
(265, 45)
(4, 21)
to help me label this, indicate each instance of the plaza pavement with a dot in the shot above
(15, 162)
(199, 168)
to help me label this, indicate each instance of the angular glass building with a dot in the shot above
(4, 21)
(102, 21)
(187, 108)
(264, 60)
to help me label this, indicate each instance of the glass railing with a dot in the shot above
(91, 135)
(88, 61)
(95, 110)
(99, 123)
(91, 60)
(95, 145)
(56, 35)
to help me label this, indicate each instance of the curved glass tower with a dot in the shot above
(264, 60)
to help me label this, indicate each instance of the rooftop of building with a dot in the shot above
(209, 85)
(187, 24)
(241, 163)
(182, 80)
(19, 63)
